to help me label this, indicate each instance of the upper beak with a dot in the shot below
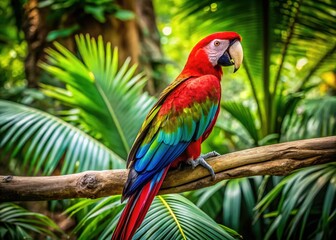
(233, 55)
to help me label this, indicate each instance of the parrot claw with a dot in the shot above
(201, 161)
(210, 155)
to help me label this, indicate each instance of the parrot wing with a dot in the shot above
(149, 119)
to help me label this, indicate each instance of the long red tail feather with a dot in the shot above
(136, 209)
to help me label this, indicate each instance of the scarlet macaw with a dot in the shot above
(176, 126)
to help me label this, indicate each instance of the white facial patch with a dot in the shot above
(215, 49)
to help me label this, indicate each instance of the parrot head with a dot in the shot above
(216, 50)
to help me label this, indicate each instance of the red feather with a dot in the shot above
(136, 209)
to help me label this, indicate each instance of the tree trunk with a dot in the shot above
(137, 38)
(151, 55)
(35, 30)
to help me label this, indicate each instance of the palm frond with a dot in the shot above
(180, 219)
(243, 115)
(295, 216)
(110, 99)
(97, 217)
(169, 217)
(45, 141)
(312, 118)
(284, 106)
(232, 201)
(19, 223)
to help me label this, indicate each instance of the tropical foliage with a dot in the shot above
(96, 106)
(45, 140)
(98, 89)
(82, 9)
(19, 223)
(233, 202)
(168, 218)
(298, 193)
(12, 51)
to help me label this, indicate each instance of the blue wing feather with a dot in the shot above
(159, 161)
(156, 179)
(143, 150)
(142, 162)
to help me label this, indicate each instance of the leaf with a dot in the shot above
(169, 217)
(124, 15)
(61, 33)
(45, 140)
(18, 223)
(236, 199)
(243, 115)
(209, 199)
(311, 120)
(98, 12)
(298, 193)
(110, 99)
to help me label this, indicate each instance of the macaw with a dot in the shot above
(175, 127)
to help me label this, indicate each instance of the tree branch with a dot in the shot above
(278, 159)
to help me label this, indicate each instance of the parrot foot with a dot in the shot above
(210, 155)
(201, 161)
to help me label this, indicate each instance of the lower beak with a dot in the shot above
(232, 56)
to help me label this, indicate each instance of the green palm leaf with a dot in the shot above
(243, 115)
(295, 216)
(179, 219)
(97, 218)
(311, 120)
(19, 223)
(169, 217)
(45, 141)
(232, 201)
(110, 99)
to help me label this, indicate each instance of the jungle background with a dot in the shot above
(72, 102)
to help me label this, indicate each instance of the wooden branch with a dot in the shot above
(278, 159)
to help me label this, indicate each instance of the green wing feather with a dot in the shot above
(149, 119)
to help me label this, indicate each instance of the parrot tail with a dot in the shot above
(137, 207)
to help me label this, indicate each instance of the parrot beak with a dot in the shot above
(232, 56)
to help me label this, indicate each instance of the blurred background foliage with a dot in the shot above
(77, 105)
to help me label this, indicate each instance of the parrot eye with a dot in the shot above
(216, 43)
